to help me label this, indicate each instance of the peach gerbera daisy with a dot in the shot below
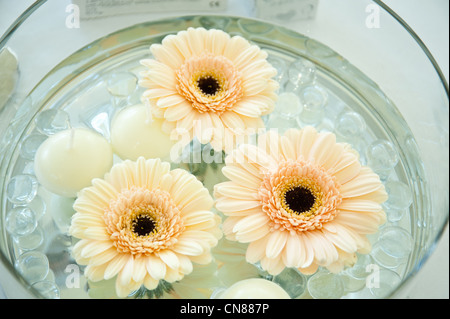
(143, 223)
(300, 200)
(208, 84)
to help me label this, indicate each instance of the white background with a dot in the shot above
(430, 20)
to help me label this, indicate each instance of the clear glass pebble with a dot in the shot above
(394, 215)
(314, 99)
(20, 221)
(32, 240)
(281, 123)
(280, 65)
(121, 84)
(30, 145)
(349, 124)
(352, 284)
(388, 281)
(302, 72)
(292, 281)
(396, 241)
(359, 269)
(52, 121)
(38, 206)
(288, 105)
(325, 285)
(22, 189)
(33, 266)
(47, 289)
(400, 195)
(381, 157)
(98, 118)
(386, 260)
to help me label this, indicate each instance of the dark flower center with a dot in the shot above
(143, 225)
(208, 85)
(300, 199)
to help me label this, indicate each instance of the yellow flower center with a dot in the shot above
(143, 224)
(300, 197)
(209, 84)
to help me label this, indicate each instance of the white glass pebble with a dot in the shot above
(314, 99)
(47, 289)
(33, 266)
(396, 241)
(121, 84)
(387, 281)
(400, 195)
(20, 221)
(22, 189)
(302, 72)
(325, 285)
(31, 241)
(349, 124)
(51, 121)
(384, 259)
(292, 281)
(30, 145)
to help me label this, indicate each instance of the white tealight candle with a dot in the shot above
(68, 161)
(255, 288)
(135, 133)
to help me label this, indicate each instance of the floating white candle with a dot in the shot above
(135, 133)
(255, 288)
(68, 161)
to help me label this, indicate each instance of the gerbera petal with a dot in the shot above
(274, 266)
(306, 141)
(366, 182)
(169, 258)
(325, 151)
(232, 120)
(139, 270)
(347, 168)
(256, 250)
(248, 108)
(292, 254)
(239, 176)
(189, 248)
(251, 228)
(115, 265)
(196, 40)
(216, 41)
(342, 238)
(150, 283)
(170, 100)
(230, 205)
(276, 243)
(235, 46)
(309, 270)
(359, 205)
(363, 223)
(126, 273)
(155, 267)
(167, 55)
(93, 248)
(232, 190)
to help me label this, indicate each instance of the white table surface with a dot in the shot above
(430, 20)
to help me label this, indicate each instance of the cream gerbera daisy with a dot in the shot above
(210, 85)
(300, 200)
(143, 223)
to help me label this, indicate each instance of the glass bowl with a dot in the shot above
(354, 68)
